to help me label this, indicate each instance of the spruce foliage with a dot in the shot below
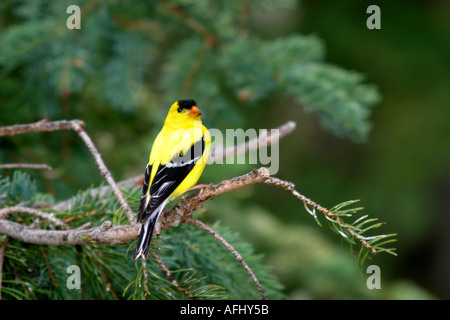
(126, 54)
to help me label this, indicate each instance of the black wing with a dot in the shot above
(167, 178)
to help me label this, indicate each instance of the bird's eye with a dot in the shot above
(179, 110)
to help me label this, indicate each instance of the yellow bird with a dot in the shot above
(177, 160)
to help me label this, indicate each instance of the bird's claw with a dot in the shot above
(201, 187)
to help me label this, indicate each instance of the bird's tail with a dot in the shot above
(145, 236)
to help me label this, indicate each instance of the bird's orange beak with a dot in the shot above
(194, 112)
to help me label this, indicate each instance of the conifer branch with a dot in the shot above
(350, 232)
(182, 212)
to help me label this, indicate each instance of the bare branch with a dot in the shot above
(103, 234)
(109, 234)
(185, 207)
(105, 172)
(38, 213)
(75, 125)
(25, 166)
(232, 250)
(39, 126)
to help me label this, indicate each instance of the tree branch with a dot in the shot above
(103, 234)
(38, 213)
(75, 125)
(105, 172)
(40, 126)
(109, 234)
(184, 209)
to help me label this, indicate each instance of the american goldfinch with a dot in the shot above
(177, 160)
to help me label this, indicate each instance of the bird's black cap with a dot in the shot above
(186, 103)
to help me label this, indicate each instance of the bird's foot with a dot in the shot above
(201, 187)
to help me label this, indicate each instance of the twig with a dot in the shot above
(105, 172)
(35, 212)
(184, 209)
(169, 276)
(39, 126)
(289, 186)
(232, 250)
(75, 125)
(103, 234)
(25, 166)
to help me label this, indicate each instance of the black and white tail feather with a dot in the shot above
(156, 193)
(145, 235)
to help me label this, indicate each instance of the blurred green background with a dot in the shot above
(131, 60)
